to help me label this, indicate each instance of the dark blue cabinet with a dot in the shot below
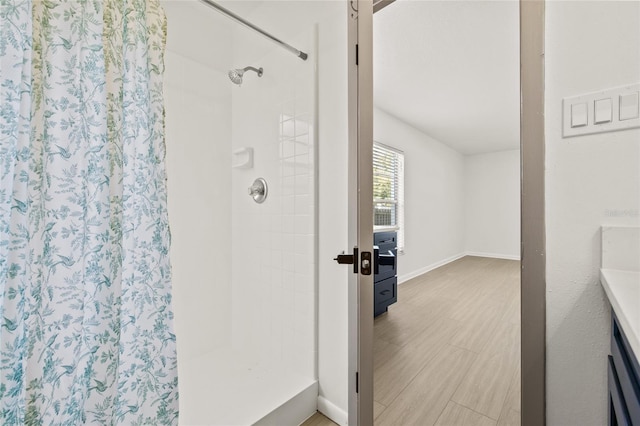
(385, 278)
(624, 380)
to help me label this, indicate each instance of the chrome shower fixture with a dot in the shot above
(236, 75)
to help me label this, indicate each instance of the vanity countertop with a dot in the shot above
(623, 290)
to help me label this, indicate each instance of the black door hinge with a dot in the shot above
(357, 382)
(356, 54)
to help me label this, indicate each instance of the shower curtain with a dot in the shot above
(85, 305)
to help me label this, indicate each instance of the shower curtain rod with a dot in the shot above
(248, 24)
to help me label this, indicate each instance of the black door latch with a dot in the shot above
(351, 259)
(348, 259)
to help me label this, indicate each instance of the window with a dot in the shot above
(388, 190)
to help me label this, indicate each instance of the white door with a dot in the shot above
(361, 211)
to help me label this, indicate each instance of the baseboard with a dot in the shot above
(406, 277)
(493, 255)
(335, 413)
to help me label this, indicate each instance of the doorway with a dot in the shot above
(446, 93)
(532, 234)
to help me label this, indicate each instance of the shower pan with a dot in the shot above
(244, 267)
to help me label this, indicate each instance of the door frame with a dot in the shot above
(532, 214)
(533, 246)
(360, 222)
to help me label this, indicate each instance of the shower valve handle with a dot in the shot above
(256, 190)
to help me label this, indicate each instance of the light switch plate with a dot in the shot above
(602, 112)
(597, 117)
(629, 106)
(579, 114)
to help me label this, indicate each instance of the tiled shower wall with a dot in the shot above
(273, 245)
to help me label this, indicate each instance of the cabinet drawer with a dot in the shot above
(384, 294)
(626, 369)
(385, 240)
(385, 290)
(618, 415)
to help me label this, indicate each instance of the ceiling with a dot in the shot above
(451, 70)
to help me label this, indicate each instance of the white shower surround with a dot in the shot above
(245, 291)
(273, 244)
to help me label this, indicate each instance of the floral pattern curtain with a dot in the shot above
(85, 304)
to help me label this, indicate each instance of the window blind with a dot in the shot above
(388, 197)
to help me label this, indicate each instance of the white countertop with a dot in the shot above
(623, 290)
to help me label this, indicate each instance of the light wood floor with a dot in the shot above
(318, 420)
(448, 353)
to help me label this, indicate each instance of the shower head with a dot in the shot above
(236, 75)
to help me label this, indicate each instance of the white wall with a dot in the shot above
(454, 204)
(198, 134)
(434, 196)
(333, 213)
(589, 46)
(492, 204)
